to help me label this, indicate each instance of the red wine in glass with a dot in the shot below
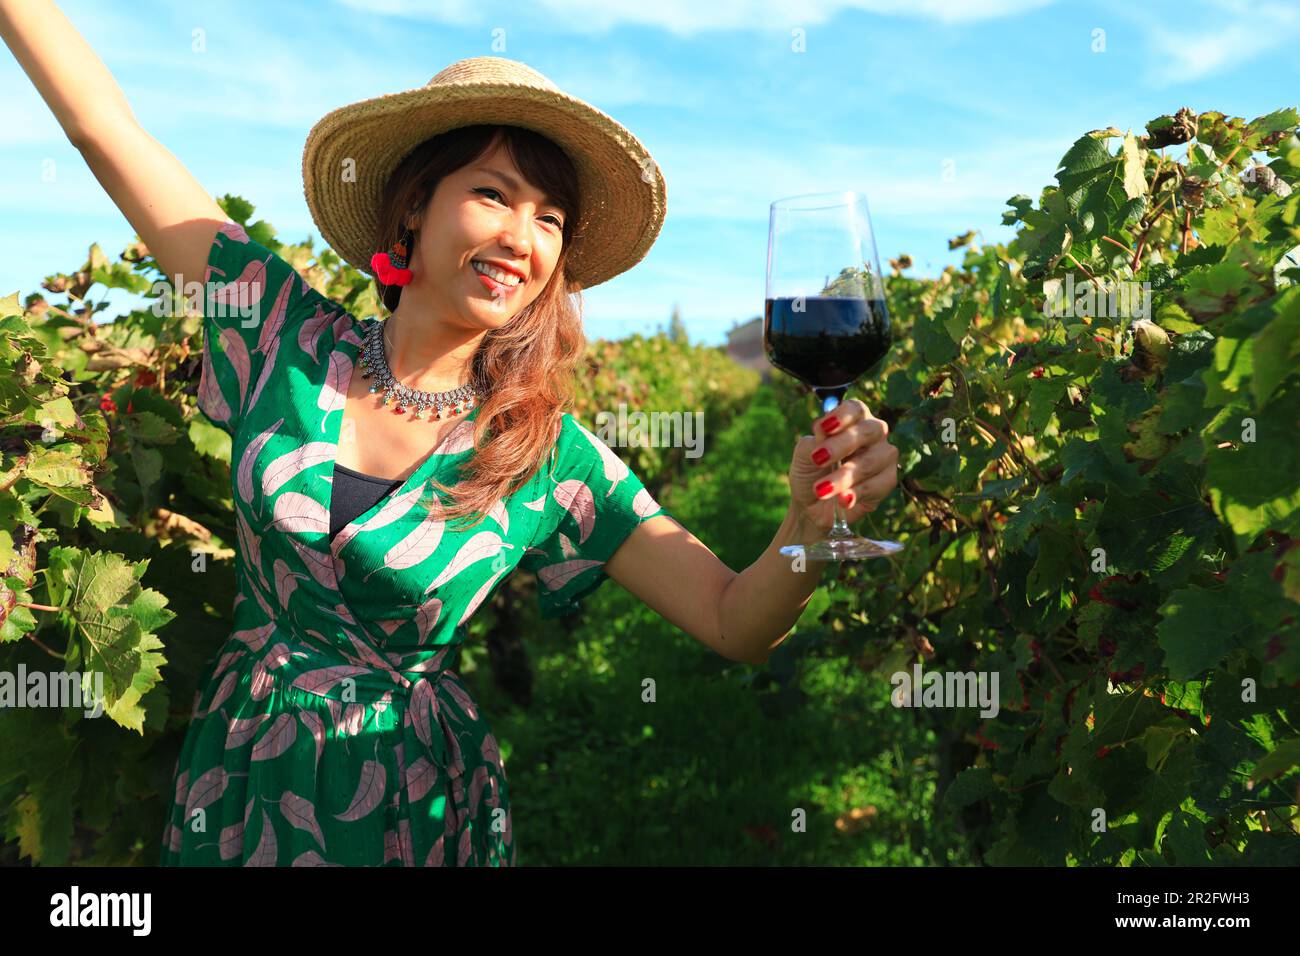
(826, 333)
(824, 341)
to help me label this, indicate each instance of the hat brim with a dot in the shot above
(352, 151)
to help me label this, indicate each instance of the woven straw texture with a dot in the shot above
(351, 152)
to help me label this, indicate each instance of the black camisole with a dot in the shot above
(353, 494)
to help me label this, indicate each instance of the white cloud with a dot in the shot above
(739, 180)
(686, 17)
(1182, 56)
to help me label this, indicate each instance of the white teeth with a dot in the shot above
(507, 278)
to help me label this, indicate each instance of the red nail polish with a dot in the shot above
(830, 424)
(846, 499)
(823, 488)
(821, 456)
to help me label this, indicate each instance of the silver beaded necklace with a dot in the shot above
(375, 363)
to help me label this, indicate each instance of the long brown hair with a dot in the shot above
(528, 367)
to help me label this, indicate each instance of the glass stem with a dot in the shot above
(840, 529)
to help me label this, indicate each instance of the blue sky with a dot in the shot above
(938, 110)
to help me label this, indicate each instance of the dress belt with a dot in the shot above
(376, 679)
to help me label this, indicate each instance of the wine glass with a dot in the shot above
(825, 320)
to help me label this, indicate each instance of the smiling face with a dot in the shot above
(487, 243)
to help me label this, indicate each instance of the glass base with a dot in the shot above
(847, 548)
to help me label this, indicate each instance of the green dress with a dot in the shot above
(332, 727)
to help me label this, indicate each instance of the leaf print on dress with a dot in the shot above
(353, 721)
(254, 638)
(462, 699)
(370, 791)
(500, 515)
(556, 576)
(210, 400)
(224, 690)
(644, 504)
(232, 840)
(420, 778)
(420, 716)
(182, 786)
(206, 790)
(567, 548)
(250, 547)
(279, 309)
(575, 497)
(286, 580)
(321, 680)
(297, 513)
(265, 854)
(426, 616)
(615, 469)
(309, 332)
(477, 599)
(262, 683)
(280, 654)
(312, 858)
(334, 393)
(301, 813)
(248, 460)
(316, 727)
(244, 294)
(485, 544)
(317, 564)
(268, 368)
(233, 230)
(242, 730)
(295, 462)
(368, 655)
(276, 740)
(236, 353)
(415, 547)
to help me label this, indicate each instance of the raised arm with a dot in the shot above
(174, 216)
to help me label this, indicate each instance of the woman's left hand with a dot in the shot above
(867, 473)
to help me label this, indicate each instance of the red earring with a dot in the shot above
(390, 267)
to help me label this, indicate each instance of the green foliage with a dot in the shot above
(664, 374)
(1107, 505)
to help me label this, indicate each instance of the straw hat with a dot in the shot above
(623, 191)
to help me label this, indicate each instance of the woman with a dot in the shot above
(389, 475)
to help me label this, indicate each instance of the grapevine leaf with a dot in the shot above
(1053, 566)
(1135, 183)
(1089, 461)
(1276, 348)
(1253, 486)
(970, 786)
(1278, 762)
(933, 341)
(209, 440)
(1197, 630)
(113, 617)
